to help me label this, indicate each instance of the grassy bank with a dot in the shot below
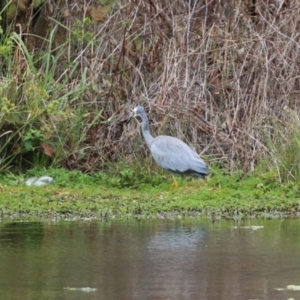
(75, 195)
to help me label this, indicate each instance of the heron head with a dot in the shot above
(139, 112)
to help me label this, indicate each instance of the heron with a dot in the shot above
(171, 153)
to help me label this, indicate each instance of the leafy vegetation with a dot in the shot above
(76, 195)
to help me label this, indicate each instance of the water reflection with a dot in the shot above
(175, 238)
(29, 234)
(149, 260)
(170, 263)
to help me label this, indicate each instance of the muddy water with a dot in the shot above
(188, 259)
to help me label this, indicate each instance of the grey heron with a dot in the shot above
(171, 153)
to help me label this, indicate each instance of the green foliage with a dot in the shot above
(125, 177)
(78, 194)
(82, 32)
(31, 139)
(64, 178)
(121, 177)
(6, 106)
(29, 116)
(6, 46)
(284, 147)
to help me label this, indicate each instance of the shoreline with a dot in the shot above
(193, 199)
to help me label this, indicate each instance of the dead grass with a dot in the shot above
(216, 74)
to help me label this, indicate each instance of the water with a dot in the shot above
(150, 260)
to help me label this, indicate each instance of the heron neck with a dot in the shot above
(146, 132)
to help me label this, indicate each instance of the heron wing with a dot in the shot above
(174, 155)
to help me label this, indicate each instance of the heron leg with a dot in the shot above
(175, 183)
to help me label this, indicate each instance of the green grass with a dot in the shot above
(77, 195)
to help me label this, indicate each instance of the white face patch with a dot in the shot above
(135, 112)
